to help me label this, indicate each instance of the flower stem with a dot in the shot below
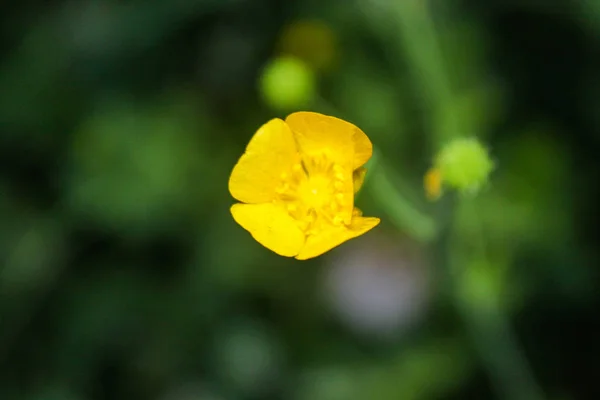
(484, 317)
(388, 191)
(421, 47)
(487, 323)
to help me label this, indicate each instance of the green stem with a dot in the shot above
(419, 41)
(487, 323)
(485, 319)
(399, 208)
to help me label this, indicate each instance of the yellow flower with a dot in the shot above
(296, 184)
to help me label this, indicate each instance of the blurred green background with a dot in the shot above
(123, 275)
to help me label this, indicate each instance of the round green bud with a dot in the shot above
(287, 83)
(464, 164)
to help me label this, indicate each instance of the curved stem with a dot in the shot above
(486, 321)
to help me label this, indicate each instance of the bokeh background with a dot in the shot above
(123, 275)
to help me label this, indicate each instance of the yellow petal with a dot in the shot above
(271, 226)
(363, 148)
(271, 151)
(433, 184)
(359, 178)
(346, 143)
(333, 236)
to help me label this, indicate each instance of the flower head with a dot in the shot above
(463, 164)
(296, 183)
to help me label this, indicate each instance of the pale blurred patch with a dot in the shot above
(377, 286)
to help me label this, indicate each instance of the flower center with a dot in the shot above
(314, 192)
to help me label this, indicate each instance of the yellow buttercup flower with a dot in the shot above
(296, 183)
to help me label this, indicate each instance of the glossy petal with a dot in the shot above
(348, 145)
(334, 236)
(271, 151)
(363, 148)
(271, 226)
(358, 177)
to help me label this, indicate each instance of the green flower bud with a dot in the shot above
(287, 83)
(464, 164)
